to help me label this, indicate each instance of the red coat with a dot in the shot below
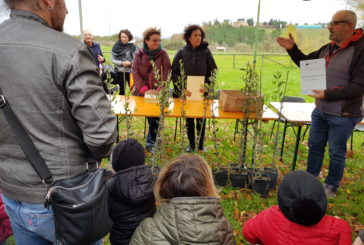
(5, 229)
(271, 227)
(143, 74)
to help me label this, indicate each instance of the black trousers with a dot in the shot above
(153, 123)
(190, 124)
(122, 78)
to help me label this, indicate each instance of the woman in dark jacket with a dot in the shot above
(122, 57)
(197, 61)
(144, 77)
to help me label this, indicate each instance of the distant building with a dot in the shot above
(221, 48)
(239, 23)
(309, 27)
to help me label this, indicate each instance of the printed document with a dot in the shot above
(313, 75)
(194, 85)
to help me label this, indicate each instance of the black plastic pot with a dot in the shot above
(272, 173)
(238, 177)
(220, 176)
(251, 173)
(260, 184)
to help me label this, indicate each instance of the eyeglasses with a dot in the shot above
(336, 22)
(155, 40)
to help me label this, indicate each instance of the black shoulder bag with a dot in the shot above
(79, 204)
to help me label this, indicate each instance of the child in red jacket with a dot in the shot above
(299, 217)
(5, 229)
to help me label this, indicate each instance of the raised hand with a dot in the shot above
(286, 43)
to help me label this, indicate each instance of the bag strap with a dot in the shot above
(26, 142)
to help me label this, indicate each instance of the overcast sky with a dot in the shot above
(106, 17)
(109, 16)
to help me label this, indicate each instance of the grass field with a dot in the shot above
(241, 204)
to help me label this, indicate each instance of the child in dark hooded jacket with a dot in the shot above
(299, 217)
(131, 198)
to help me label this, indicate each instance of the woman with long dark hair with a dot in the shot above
(122, 57)
(197, 61)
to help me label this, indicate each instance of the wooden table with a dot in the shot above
(193, 109)
(298, 114)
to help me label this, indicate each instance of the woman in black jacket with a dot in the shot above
(197, 61)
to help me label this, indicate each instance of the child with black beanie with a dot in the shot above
(299, 217)
(131, 198)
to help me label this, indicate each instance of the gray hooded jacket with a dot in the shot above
(192, 220)
(52, 84)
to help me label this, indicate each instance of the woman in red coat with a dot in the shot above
(144, 74)
(299, 217)
(5, 229)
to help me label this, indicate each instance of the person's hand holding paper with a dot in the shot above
(313, 77)
(195, 87)
(318, 94)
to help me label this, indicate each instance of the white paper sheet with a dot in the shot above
(313, 75)
(194, 85)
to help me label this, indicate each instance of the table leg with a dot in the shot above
(175, 128)
(283, 138)
(245, 128)
(117, 129)
(298, 136)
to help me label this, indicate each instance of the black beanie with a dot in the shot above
(301, 198)
(128, 153)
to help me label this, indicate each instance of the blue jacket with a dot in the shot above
(96, 51)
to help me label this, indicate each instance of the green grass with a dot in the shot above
(240, 205)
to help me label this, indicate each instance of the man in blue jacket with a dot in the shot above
(339, 107)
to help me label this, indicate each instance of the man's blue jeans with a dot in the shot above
(335, 131)
(32, 224)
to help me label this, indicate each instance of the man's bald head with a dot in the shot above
(32, 4)
(347, 15)
(52, 12)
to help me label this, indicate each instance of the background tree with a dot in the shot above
(250, 21)
(358, 6)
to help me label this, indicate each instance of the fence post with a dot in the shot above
(233, 61)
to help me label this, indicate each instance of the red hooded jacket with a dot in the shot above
(5, 229)
(271, 227)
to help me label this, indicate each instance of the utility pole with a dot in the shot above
(256, 36)
(109, 25)
(81, 20)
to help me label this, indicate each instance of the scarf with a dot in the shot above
(123, 51)
(151, 53)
